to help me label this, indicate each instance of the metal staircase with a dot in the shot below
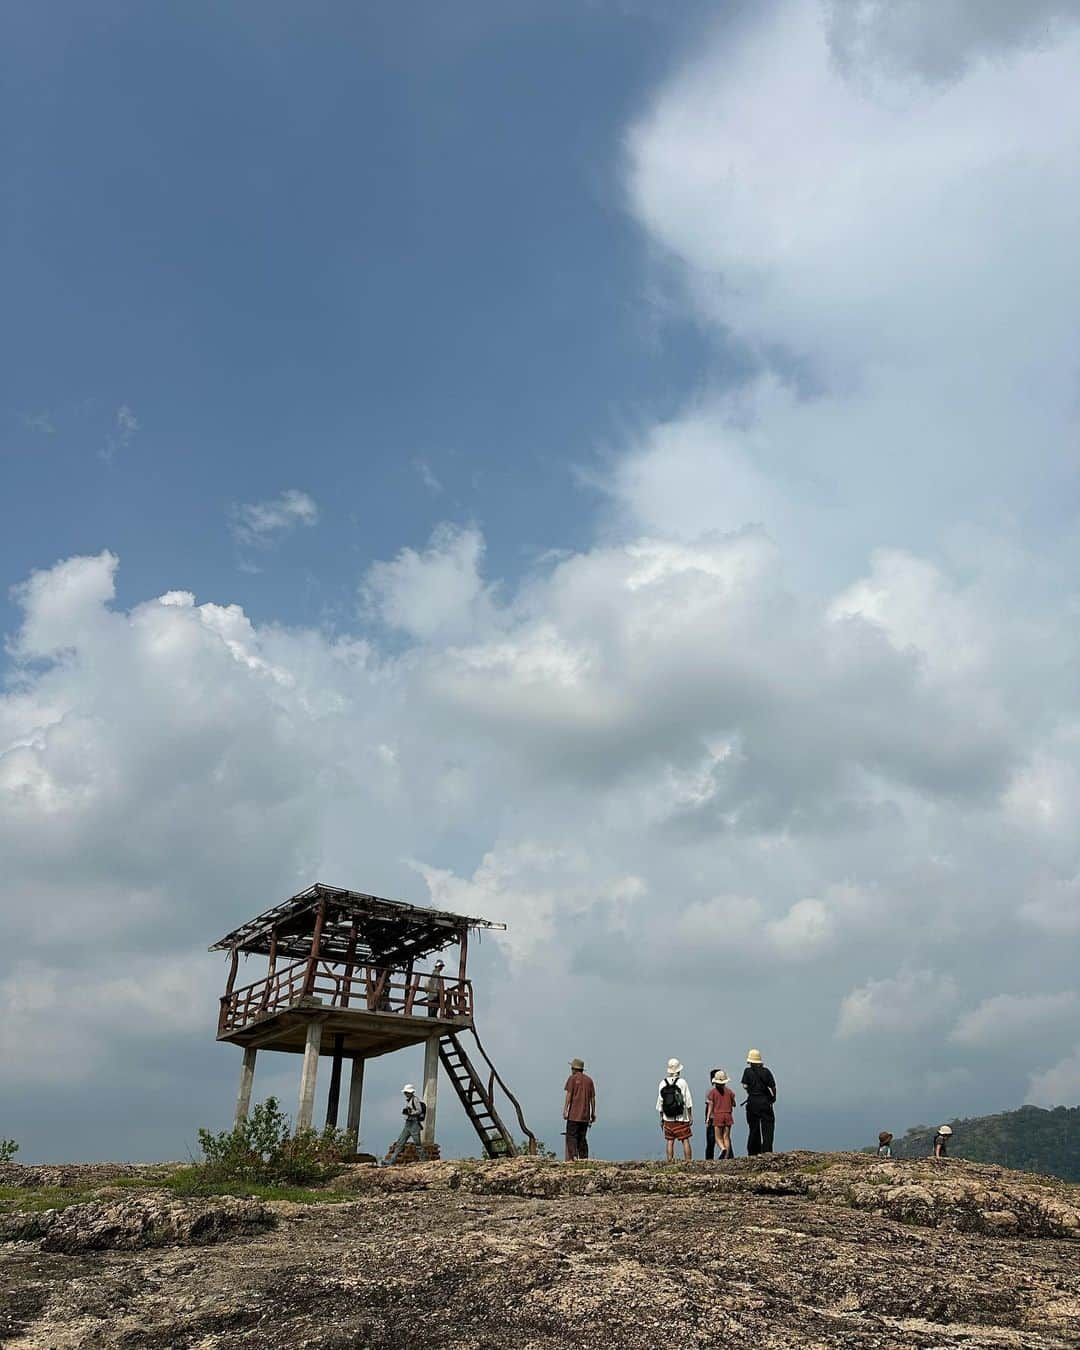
(478, 1098)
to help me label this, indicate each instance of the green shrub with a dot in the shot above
(263, 1149)
(8, 1149)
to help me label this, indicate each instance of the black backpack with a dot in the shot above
(671, 1100)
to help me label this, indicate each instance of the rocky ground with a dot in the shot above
(796, 1249)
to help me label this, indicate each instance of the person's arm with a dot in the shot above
(688, 1102)
(592, 1105)
(566, 1106)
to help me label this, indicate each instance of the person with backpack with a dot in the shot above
(414, 1112)
(760, 1088)
(719, 1108)
(676, 1108)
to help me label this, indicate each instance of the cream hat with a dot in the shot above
(945, 1129)
(409, 1090)
(720, 1077)
(673, 1066)
(753, 1057)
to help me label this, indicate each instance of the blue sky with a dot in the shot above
(322, 253)
(610, 468)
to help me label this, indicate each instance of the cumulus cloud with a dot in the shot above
(1024, 1018)
(872, 244)
(261, 524)
(435, 593)
(911, 1001)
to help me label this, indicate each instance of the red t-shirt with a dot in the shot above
(582, 1097)
(722, 1102)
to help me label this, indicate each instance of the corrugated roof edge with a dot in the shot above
(306, 898)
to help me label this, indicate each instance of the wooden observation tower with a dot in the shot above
(344, 981)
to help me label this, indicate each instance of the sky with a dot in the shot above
(604, 467)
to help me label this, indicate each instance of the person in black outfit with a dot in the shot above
(760, 1088)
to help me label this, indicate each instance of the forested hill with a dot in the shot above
(1030, 1140)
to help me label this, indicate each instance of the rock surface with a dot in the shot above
(791, 1250)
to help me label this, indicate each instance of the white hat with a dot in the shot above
(720, 1077)
(673, 1066)
(409, 1090)
(753, 1056)
(945, 1129)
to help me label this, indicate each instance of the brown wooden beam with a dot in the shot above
(313, 959)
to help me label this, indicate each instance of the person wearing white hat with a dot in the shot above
(414, 1112)
(719, 1106)
(760, 1088)
(676, 1108)
(941, 1141)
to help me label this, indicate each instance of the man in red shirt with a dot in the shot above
(579, 1110)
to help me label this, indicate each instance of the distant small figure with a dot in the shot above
(719, 1111)
(760, 1088)
(579, 1110)
(414, 1112)
(676, 1108)
(941, 1141)
(884, 1144)
(434, 989)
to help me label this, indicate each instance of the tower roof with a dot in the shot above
(356, 927)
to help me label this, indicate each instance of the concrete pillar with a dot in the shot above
(247, 1077)
(307, 1075)
(356, 1095)
(431, 1088)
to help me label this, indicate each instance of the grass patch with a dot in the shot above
(31, 1200)
(195, 1181)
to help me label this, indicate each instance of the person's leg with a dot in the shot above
(687, 1151)
(402, 1140)
(753, 1132)
(670, 1148)
(710, 1142)
(414, 1139)
(583, 1139)
(725, 1141)
(573, 1139)
(768, 1125)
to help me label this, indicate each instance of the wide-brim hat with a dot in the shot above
(753, 1057)
(673, 1066)
(884, 1137)
(720, 1077)
(408, 1089)
(577, 1063)
(945, 1129)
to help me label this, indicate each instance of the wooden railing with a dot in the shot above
(364, 987)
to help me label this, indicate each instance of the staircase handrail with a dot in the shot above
(533, 1145)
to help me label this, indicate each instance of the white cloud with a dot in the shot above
(124, 429)
(260, 524)
(434, 594)
(911, 1001)
(1006, 1018)
(1058, 1085)
(872, 244)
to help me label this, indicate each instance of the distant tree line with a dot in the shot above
(1029, 1140)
